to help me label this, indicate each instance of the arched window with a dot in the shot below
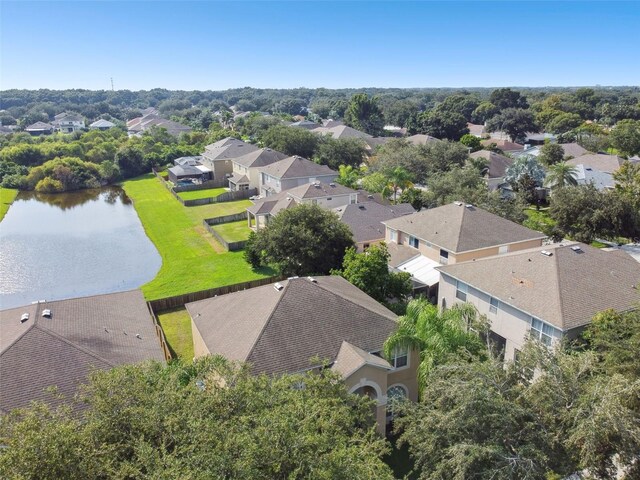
(395, 394)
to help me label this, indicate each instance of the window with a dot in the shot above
(400, 357)
(395, 394)
(353, 199)
(461, 291)
(444, 257)
(413, 241)
(543, 332)
(393, 235)
(493, 305)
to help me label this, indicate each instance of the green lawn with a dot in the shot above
(199, 213)
(190, 261)
(197, 194)
(538, 219)
(233, 231)
(7, 196)
(176, 325)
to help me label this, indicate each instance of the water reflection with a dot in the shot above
(58, 246)
(69, 200)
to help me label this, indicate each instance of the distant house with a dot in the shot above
(365, 220)
(540, 138)
(342, 131)
(246, 169)
(589, 176)
(101, 125)
(69, 122)
(292, 172)
(39, 128)
(306, 124)
(137, 126)
(421, 139)
(476, 130)
(281, 328)
(599, 161)
(325, 195)
(504, 145)
(219, 156)
(451, 234)
(547, 293)
(571, 150)
(189, 168)
(497, 166)
(59, 343)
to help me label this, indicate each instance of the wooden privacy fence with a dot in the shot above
(162, 304)
(208, 224)
(218, 183)
(160, 334)
(223, 197)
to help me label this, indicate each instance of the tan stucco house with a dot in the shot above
(219, 156)
(292, 172)
(548, 292)
(280, 328)
(246, 169)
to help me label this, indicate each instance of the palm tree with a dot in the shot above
(437, 334)
(560, 175)
(398, 179)
(349, 176)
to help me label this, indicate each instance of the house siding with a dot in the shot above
(199, 347)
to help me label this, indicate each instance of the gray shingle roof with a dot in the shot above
(350, 358)
(573, 150)
(260, 158)
(227, 148)
(102, 123)
(297, 167)
(421, 139)
(365, 219)
(280, 331)
(598, 161)
(82, 333)
(565, 289)
(458, 228)
(498, 164)
(39, 126)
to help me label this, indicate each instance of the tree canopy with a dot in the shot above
(364, 114)
(302, 240)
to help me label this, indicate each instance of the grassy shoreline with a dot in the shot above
(189, 262)
(7, 196)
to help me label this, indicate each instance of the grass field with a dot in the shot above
(538, 220)
(233, 231)
(191, 259)
(7, 196)
(197, 194)
(176, 325)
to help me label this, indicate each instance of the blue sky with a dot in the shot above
(219, 45)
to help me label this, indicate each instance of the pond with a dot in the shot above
(55, 246)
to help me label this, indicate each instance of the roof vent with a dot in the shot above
(46, 313)
(468, 205)
(369, 196)
(293, 278)
(24, 317)
(278, 286)
(458, 203)
(332, 184)
(312, 280)
(138, 336)
(361, 207)
(577, 249)
(546, 253)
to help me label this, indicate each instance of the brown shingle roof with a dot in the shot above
(504, 145)
(365, 219)
(297, 167)
(573, 150)
(565, 289)
(280, 331)
(497, 163)
(82, 333)
(350, 358)
(260, 158)
(459, 228)
(598, 161)
(421, 139)
(227, 148)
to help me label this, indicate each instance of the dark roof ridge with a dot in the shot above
(264, 326)
(75, 345)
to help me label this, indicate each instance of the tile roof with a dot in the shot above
(297, 167)
(82, 333)
(365, 219)
(459, 228)
(350, 358)
(279, 331)
(498, 164)
(565, 289)
(260, 158)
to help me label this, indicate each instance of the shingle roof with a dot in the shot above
(365, 219)
(587, 175)
(421, 139)
(458, 228)
(102, 124)
(145, 122)
(288, 198)
(39, 126)
(565, 289)
(598, 161)
(279, 331)
(573, 150)
(297, 167)
(260, 158)
(237, 178)
(192, 160)
(342, 131)
(504, 145)
(82, 333)
(350, 358)
(498, 164)
(227, 148)
(272, 204)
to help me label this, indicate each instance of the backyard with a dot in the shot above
(192, 260)
(233, 231)
(176, 325)
(198, 194)
(7, 196)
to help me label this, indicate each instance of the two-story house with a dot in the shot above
(246, 169)
(325, 195)
(309, 323)
(219, 155)
(547, 293)
(450, 234)
(293, 172)
(69, 122)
